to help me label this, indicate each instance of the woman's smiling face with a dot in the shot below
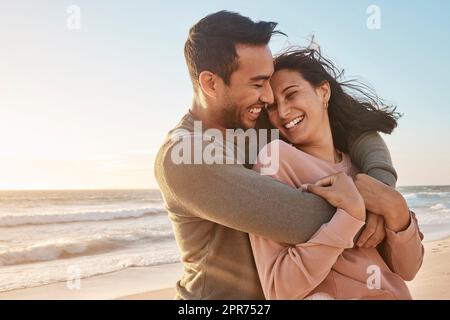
(299, 110)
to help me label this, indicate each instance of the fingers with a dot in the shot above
(317, 190)
(327, 181)
(378, 236)
(339, 190)
(369, 229)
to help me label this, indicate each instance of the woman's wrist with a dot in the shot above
(357, 210)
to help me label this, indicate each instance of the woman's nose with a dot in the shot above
(284, 110)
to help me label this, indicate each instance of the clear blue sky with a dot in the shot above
(88, 108)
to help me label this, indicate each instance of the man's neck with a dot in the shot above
(200, 111)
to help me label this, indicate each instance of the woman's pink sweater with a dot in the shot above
(328, 265)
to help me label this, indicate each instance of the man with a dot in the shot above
(213, 207)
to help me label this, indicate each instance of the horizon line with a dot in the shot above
(155, 188)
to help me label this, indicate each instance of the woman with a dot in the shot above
(316, 118)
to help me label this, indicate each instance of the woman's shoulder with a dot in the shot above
(279, 150)
(279, 145)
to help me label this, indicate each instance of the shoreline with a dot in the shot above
(114, 285)
(158, 282)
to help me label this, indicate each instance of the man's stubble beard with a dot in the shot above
(231, 115)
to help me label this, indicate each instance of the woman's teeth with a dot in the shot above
(255, 110)
(294, 122)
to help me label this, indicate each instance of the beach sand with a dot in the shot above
(157, 282)
(433, 280)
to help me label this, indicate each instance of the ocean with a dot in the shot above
(50, 236)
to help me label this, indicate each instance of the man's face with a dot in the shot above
(242, 101)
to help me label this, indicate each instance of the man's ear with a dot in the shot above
(209, 83)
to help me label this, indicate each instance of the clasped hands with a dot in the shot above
(366, 198)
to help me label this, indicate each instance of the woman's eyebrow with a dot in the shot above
(294, 85)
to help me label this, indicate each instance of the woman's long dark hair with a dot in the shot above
(353, 108)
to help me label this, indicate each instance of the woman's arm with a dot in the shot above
(403, 250)
(293, 272)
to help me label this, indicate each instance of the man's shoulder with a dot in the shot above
(182, 137)
(184, 126)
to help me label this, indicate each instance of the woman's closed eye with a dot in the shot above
(291, 95)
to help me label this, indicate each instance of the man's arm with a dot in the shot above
(242, 199)
(371, 155)
(402, 249)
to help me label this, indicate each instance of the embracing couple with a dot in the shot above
(328, 224)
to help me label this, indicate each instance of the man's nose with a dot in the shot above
(267, 96)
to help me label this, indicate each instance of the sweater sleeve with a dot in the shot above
(292, 272)
(371, 155)
(239, 198)
(403, 251)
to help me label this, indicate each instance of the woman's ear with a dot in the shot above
(325, 93)
(208, 83)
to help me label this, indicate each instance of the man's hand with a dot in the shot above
(373, 233)
(385, 201)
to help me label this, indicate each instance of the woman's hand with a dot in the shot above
(385, 201)
(340, 191)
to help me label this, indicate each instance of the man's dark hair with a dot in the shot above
(211, 44)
